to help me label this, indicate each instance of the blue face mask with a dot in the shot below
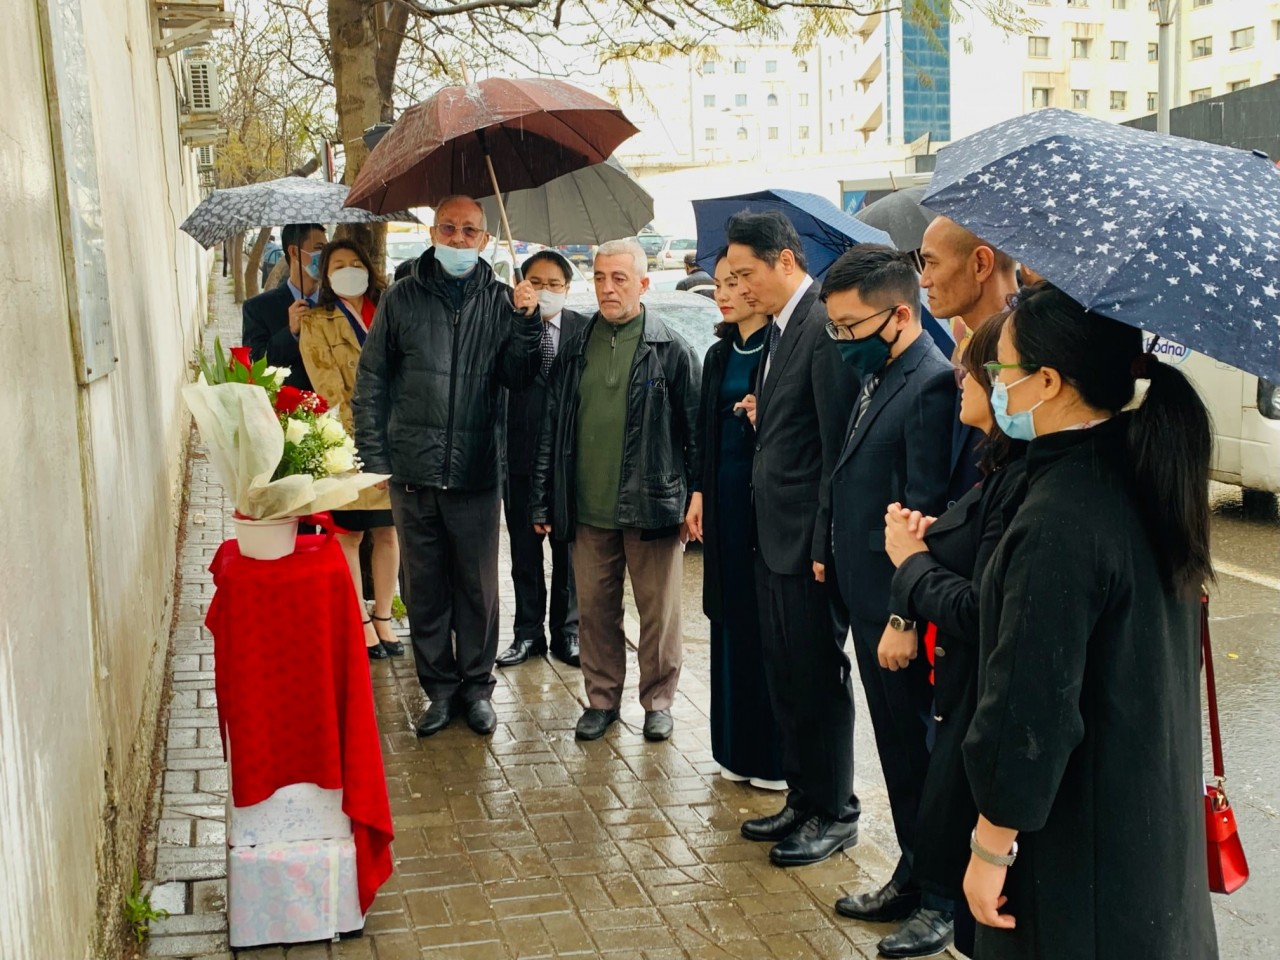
(455, 261)
(310, 263)
(1017, 426)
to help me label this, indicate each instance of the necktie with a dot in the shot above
(547, 348)
(864, 399)
(775, 334)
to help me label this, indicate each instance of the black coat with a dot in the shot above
(708, 474)
(802, 408)
(1087, 735)
(265, 331)
(524, 407)
(901, 451)
(659, 449)
(428, 396)
(942, 587)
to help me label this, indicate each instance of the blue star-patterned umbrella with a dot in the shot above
(1175, 236)
(273, 203)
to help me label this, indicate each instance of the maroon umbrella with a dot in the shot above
(470, 139)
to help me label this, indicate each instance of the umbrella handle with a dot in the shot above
(502, 213)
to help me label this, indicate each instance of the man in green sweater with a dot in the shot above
(612, 473)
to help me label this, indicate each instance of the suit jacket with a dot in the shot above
(801, 411)
(265, 331)
(901, 451)
(524, 407)
(330, 355)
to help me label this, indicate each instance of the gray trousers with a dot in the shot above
(449, 553)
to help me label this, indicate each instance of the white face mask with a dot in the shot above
(349, 281)
(550, 303)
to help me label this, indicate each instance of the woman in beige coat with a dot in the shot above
(330, 340)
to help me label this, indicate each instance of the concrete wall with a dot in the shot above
(92, 473)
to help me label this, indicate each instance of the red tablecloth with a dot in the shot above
(294, 698)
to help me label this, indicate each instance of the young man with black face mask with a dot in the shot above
(897, 449)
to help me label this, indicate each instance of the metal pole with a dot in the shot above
(1166, 48)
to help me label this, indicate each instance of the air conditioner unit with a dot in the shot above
(201, 76)
(204, 158)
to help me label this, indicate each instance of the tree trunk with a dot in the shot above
(253, 269)
(353, 50)
(237, 265)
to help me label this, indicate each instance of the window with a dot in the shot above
(1119, 4)
(1276, 28)
(1077, 3)
(739, 66)
(842, 124)
(1037, 46)
(709, 66)
(1080, 48)
(1202, 47)
(1153, 52)
(1152, 100)
(1240, 39)
(1204, 93)
(1039, 97)
(708, 99)
(771, 100)
(1238, 85)
(1201, 3)
(802, 133)
(803, 66)
(1119, 50)
(771, 66)
(1119, 99)
(803, 100)
(1079, 99)
(709, 133)
(773, 133)
(831, 128)
(1151, 5)
(739, 99)
(742, 133)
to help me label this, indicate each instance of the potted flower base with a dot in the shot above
(266, 539)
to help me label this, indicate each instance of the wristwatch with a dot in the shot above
(898, 623)
(995, 859)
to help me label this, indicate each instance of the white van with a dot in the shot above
(1246, 418)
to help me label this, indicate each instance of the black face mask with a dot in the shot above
(869, 355)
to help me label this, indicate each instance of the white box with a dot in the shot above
(292, 892)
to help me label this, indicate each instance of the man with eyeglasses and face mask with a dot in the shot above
(549, 274)
(443, 344)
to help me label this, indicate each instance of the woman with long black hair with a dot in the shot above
(1084, 754)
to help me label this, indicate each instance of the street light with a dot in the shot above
(1166, 50)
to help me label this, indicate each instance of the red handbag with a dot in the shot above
(1228, 869)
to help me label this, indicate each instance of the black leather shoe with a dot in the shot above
(566, 650)
(393, 647)
(658, 725)
(886, 905)
(438, 716)
(377, 652)
(772, 829)
(926, 933)
(522, 650)
(816, 839)
(481, 718)
(593, 723)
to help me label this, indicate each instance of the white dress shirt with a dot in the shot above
(784, 317)
(553, 324)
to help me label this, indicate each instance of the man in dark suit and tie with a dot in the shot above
(897, 450)
(799, 410)
(549, 274)
(272, 320)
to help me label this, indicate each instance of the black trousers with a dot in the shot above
(528, 576)
(900, 705)
(810, 690)
(449, 549)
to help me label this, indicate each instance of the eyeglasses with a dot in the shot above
(993, 369)
(447, 230)
(844, 331)
(555, 286)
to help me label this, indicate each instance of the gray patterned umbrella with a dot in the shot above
(224, 213)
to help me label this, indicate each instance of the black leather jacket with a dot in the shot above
(428, 400)
(659, 451)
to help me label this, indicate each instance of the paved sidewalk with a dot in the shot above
(528, 844)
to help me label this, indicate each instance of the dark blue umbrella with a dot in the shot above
(825, 230)
(1175, 236)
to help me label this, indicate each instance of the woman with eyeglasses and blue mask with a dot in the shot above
(1084, 755)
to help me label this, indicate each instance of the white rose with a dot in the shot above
(295, 431)
(278, 374)
(331, 429)
(339, 460)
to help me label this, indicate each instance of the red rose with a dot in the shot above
(291, 399)
(240, 355)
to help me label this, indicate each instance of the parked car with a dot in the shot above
(402, 247)
(665, 280)
(673, 253)
(500, 260)
(578, 253)
(692, 316)
(652, 244)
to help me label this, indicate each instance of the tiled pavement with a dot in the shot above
(528, 844)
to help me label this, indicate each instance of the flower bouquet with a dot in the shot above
(280, 452)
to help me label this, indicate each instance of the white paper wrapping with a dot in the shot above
(292, 892)
(299, 811)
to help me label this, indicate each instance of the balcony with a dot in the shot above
(179, 24)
